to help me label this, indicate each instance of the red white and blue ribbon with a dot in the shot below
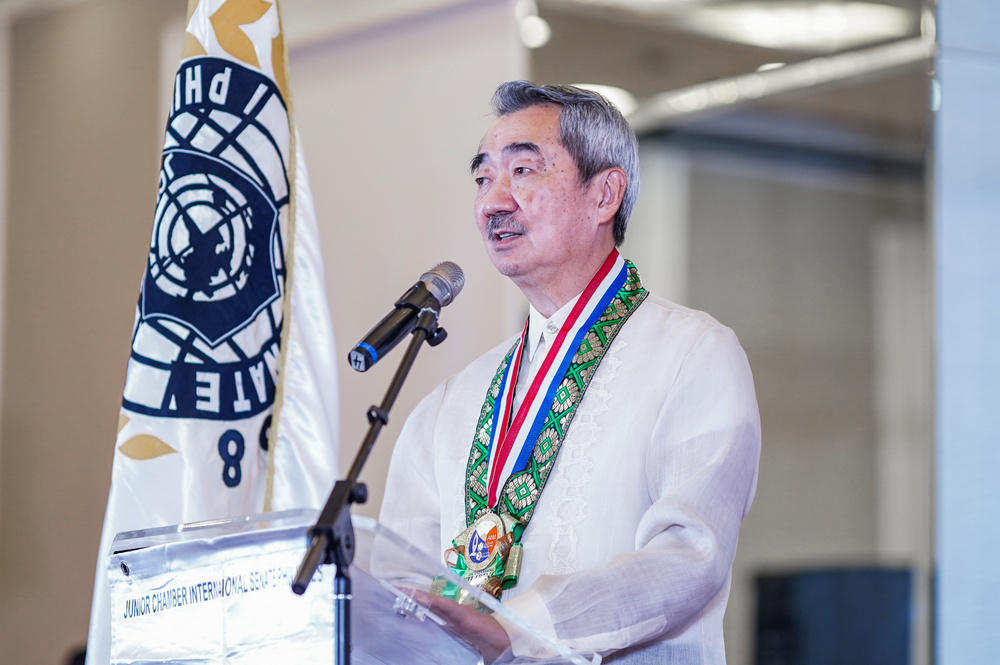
(514, 434)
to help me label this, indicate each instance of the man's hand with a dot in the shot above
(480, 630)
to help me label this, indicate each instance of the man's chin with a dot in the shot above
(505, 266)
(502, 260)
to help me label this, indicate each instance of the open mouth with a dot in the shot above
(503, 227)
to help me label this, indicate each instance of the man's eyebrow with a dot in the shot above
(476, 162)
(521, 146)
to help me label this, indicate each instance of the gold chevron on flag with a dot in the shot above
(228, 22)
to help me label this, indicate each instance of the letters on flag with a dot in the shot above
(218, 354)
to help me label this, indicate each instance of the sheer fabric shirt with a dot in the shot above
(630, 548)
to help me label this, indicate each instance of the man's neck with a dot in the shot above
(550, 296)
(548, 302)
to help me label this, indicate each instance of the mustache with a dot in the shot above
(503, 221)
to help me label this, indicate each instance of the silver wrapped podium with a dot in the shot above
(220, 592)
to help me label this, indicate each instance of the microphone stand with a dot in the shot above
(331, 539)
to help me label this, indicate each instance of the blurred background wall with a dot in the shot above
(82, 163)
(795, 210)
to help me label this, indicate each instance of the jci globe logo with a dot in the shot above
(209, 323)
(212, 243)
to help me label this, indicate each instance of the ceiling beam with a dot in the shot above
(668, 108)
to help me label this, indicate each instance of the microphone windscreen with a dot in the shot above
(444, 281)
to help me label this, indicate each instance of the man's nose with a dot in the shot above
(498, 198)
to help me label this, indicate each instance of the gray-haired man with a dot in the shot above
(594, 471)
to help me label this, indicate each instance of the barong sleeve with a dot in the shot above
(700, 472)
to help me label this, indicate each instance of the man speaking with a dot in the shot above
(593, 472)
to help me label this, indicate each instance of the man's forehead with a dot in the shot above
(531, 123)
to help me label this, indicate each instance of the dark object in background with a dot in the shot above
(860, 616)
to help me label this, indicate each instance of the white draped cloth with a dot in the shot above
(632, 541)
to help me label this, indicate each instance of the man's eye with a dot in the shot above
(480, 181)
(521, 170)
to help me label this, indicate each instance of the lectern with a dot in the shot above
(220, 592)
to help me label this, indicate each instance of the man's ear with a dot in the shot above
(612, 189)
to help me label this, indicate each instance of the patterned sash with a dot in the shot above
(522, 447)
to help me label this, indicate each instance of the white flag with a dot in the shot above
(229, 404)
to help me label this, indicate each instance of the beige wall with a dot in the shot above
(389, 119)
(4, 125)
(82, 183)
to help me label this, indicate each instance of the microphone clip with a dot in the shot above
(427, 321)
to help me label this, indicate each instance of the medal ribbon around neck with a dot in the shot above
(520, 455)
(521, 451)
(521, 433)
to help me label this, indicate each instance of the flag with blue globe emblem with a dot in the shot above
(229, 403)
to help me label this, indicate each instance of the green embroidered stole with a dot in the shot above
(506, 521)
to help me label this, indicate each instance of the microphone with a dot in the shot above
(437, 287)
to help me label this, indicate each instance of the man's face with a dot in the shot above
(535, 217)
